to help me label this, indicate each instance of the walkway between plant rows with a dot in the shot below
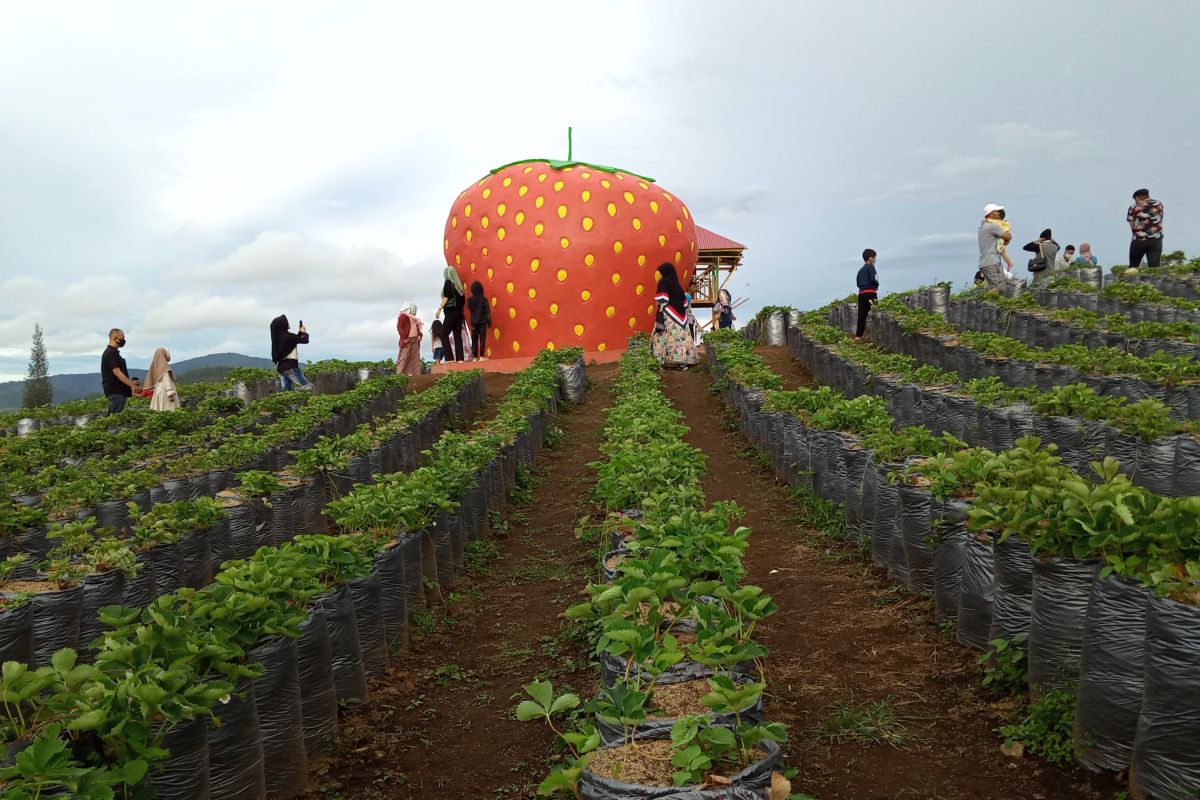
(440, 723)
(845, 641)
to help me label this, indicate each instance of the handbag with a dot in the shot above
(1038, 264)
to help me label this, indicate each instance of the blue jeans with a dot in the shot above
(294, 378)
(116, 403)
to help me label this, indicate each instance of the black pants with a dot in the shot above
(864, 308)
(479, 339)
(452, 324)
(1150, 248)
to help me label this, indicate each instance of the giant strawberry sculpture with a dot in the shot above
(567, 252)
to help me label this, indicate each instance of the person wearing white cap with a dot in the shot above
(991, 236)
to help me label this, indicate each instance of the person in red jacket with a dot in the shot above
(411, 330)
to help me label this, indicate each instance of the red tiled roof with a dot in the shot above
(707, 240)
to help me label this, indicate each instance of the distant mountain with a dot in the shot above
(212, 367)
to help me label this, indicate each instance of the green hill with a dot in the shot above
(80, 386)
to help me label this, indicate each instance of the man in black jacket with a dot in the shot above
(285, 352)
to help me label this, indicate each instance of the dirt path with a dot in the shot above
(844, 639)
(440, 723)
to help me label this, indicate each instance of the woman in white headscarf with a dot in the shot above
(161, 380)
(411, 330)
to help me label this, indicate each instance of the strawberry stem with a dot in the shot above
(569, 158)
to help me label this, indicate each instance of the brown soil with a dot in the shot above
(777, 358)
(680, 699)
(843, 637)
(440, 723)
(30, 587)
(646, 762)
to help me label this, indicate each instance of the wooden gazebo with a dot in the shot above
(718, 259)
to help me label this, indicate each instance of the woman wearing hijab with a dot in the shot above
(481, 319)
(161, 380)
(285, 352)
(671, 344)
(452, 304)
(411, 331)
(1045, 252)
(1085, 257)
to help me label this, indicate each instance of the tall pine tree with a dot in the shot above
(38, 391)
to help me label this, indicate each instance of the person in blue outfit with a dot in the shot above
(868, 290)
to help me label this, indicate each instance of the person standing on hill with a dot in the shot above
(868, 291)
(992, 237)
(160, 380)
(435, 330)
(411, 331)
(114, 374)
(481, 319)
(671, 344)
(1065, 258)
(723, 309)
(1145, 218)
(285, 352)
(1045, 251)
(452, 304)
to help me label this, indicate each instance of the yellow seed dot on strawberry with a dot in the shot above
(516, 347)
(510, 287)
(532, 293)
(605, 183)
(454, 221)
(487, 193)
(500, 209)
(641, 261)
(617, 247)
(539, 202)
(564, 243)
(628, 197)
(524, 190)
(587, 223)
(558, 185)
(654, 206)
(554, 309)
(579, 330)
(483, 222)
(484, 251)
(500, 234)
(601, 347)
(508, 260)
(662, 240)
(472, 266)
(542, 178)
(549, 345)
(633, 322)
(538, 228)
(527, 170)
(489, 271)
(467, 210)
(534, 264)
(616, 278)
(643, 184)
(679, 225)
(494, 301)
(685, 213)
(612, 209)
(468, 236)
(585, 195)
(562, 275)
(585, 295)
(585, 175)
(495, 331)
(532, 324)
(639, 289)
(649, 309)
(637, 224)
(512, 313)
(508, 181)
(678, 256)
(446, 242)
(611, 311)
(668, 198)
(589, 259)
(562, 212)
(458, 259)
(519, 218)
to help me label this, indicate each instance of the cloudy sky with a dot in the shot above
(189, 170)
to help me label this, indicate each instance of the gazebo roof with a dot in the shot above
(708, 240)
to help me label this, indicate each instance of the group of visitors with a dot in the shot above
(1144, 218)
(119, 386)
